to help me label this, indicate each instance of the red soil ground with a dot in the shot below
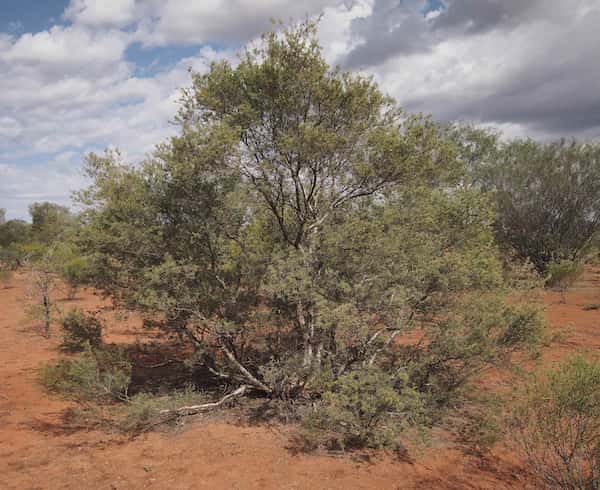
(39, 451)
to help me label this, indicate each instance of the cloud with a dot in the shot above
(226, 22)
(113, 13)
(527, 67)
(391, 28)
(520, 65)
(65, 50)
(54, 181)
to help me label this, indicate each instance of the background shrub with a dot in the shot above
(562, 275)
(557, 424)
(80, 329)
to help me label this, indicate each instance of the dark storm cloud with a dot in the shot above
(551, 86)
(392, 28)
(476, 16)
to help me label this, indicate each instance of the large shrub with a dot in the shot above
(296, 227)
(557, 425)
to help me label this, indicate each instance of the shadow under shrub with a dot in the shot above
(557, 425)
(98, 375)
(363, 408)
(80, 329)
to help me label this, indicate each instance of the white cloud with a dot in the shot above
(67, 90)
(101, 12)
(65, 49)
(218, 21)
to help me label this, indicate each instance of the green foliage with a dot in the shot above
(364, 408)
(13, 235)
(72, 267)
(14, 232)
(557, 425)
(97, 375)
(80, 329)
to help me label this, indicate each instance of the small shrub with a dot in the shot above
(80, 329)
(96, 375)
(364, 408)
(557, 424)
(562, 275)
(480, 424)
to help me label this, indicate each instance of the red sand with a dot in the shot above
(39, 451)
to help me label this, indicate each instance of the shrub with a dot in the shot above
(80, 329)
(545, 193)
(557, 425)
(76, 272)
(363, 408)
(96, 375)
(562, 275)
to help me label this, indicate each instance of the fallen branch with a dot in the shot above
(161, 364)
(165, 416)
(194, 409)
(247, 374)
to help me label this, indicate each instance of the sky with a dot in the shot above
(83, 75)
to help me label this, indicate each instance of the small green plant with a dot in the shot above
(80, 329)
(557, 425)
(562, 275)
(98, 375)
(363, 408)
